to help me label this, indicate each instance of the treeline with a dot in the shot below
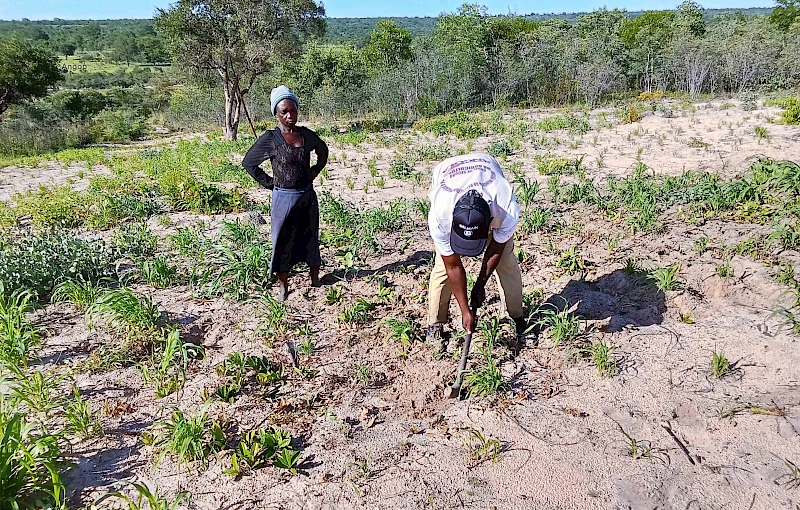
(358, 30)
(475, 60)
(124, 40)
(469, 60)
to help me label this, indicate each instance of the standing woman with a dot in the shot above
(295, 209)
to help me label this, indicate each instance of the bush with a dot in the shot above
(792, 113)
(41, 261)
(59, 206)
(630, 114)
(569, 122)
(24, 136)
(460, 124)
(117, 126)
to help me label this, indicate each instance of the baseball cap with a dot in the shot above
(470, 230)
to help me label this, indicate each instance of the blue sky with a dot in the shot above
(105, 9)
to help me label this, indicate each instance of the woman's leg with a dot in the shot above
(283, 287)
(315, 277)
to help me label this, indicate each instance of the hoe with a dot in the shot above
(455, 390)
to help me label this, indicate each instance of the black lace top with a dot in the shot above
(291, 166)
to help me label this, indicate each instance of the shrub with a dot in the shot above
(630, 114)
(651, 96)
(58, 206)
(117, 126)
(568, 122)
(460, 124)
(40, 261)
(792, 113)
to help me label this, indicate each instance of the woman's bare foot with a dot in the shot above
(315, 281)
(282, 292)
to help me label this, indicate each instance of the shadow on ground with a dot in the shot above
(622, 298)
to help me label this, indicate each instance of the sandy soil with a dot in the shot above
(563, 428)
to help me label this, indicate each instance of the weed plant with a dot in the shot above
(480, 447)
(158, 272)
(486, 378)
(260, 448)
(563, 122)
(19, 338)
(562, 326)
(30, 463)
(135, 240)
(401, 331)
(80, 419)
(40, 261)
(358, 313)
(189, 438)
(166, 369)
(81, 294)
(558, 165)
(460, 124)
(123, 310)
(150, 499)
(666, 278)
(720, 366)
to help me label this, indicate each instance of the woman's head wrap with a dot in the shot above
(280, 93)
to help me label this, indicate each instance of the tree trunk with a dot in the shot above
(233, 107)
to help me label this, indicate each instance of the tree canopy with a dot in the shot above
(26, 71)
(239, 40)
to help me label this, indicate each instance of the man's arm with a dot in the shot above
(457, 277)
(494, 251)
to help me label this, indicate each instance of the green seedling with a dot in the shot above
(358, 314)
(81, 421)
(720, 365)
(334, 295)
(485, 378)
(148, 499)
(480, 447)
(189, 438)
(666, 278)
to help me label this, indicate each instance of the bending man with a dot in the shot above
(473, 212)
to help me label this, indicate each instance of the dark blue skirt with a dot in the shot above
(295, 229)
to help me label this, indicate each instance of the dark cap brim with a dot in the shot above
(466, 248)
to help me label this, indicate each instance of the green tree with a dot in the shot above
(464, 40)
(646, 36)
(388, 47)
(330, 65)
(690, 18)
(785, 14)
(26, 71)
(239, 40)
(125, 48)
(153, 50)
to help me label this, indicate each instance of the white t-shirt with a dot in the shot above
(455, 176)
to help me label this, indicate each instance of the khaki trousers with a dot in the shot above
(507, 275)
